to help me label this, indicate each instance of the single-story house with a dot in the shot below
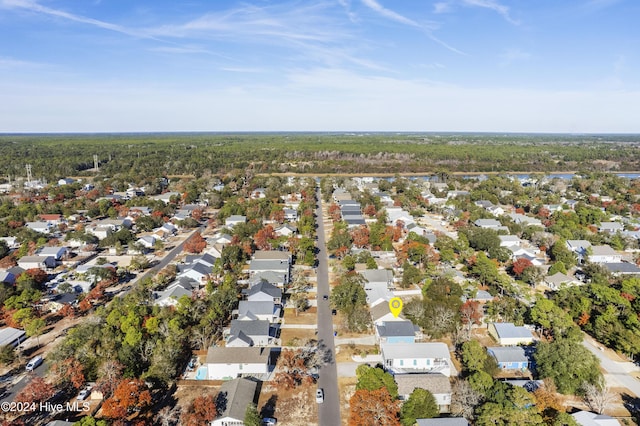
(166, 197)
(405, 358)
(488, 223)
(395, 332)
(58, 253)
(604, 254)
(10, 336)
(272, 255)
(587, 418)
(39, 226)
(610, 227)
(229, 363)
(510, 241)
(285, 230)
(380, 313)
(622, 268)
(580, 248)
(438, 384)
(235, 219)
(233, 399)
(508, 334)
(171, 295)
(509, 357)
(559, 279)
(37, 262)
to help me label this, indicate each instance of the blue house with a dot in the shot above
(396, 332)
(510, 358)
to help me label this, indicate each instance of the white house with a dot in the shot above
(42, 227)
(404, 358)
(229, 363)
(610, 227)
(508, 334)
(604, 254)
(559, 279)
(58, 253)
(37, 262)
(510, 241)
(235, 219)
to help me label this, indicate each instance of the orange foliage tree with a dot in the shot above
(195, 244)
(373, 408)
(470, 313)
(129, 395)
(69, 371)
(36, 391)
(201, 411)
(360, 236)
(263, 237)
(520, 265)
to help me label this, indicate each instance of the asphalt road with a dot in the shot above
(617, 374)
(24, 379)
(329, 410)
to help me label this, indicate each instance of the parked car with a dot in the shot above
(34, 363)
(269, 421)
(320, 396)
(84, 394)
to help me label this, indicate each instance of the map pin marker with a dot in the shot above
(395, 306)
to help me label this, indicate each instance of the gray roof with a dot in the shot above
(8, 335)
(266, 288)
(396, 329)
(175, 291)
(219, 355)
(272, 277)
(257, 308)
(415, 350)
(206, 259)
(380, 310)
(622, 268)
(587, 418)
(558, 278)
(508, 354)
(234, 397)
(507, 330)
(240, 337)
(603, 250)
(377, 275)
(250, 328)
(268, 265)
(487, 223)
(271, 255)
(434, 383)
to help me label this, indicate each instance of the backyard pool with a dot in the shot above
(201, 374)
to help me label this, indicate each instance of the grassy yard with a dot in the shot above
(307, 317)
(296, 336)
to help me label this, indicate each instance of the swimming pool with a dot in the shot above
(201, 374)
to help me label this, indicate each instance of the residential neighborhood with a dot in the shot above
(228, 292)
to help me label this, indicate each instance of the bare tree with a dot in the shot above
(168, 416)
(597, 396)
(464, 399)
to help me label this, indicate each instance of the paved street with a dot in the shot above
(329, 410)
(617, 373)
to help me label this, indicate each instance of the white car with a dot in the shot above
(34, 363)
(320, 396)
(84, 394)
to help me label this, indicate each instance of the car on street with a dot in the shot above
(269, 421)
(325, 297)
(320, 396)
(34, 363)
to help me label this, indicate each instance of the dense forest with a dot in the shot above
(200, 154)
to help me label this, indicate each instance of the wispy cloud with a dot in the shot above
(495, 6)
(6, 62)
(442, 7)
(388, 13)
(346, 4)
(35, 7)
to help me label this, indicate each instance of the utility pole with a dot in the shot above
(95, 162)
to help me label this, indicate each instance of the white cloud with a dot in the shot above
(514, 55)
(495, 6)
(388, 13)
(442, 7)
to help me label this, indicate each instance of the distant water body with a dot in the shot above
(525, 176)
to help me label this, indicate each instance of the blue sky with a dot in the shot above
(334, 65)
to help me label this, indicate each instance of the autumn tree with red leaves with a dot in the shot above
(373, 408)
(360, 236)
(129, 395)
(520, 265)
(263, 237)
(471, 313)
(68, 372)
(37, 390)
(334, 212)
(201, 411)
(195, 244)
